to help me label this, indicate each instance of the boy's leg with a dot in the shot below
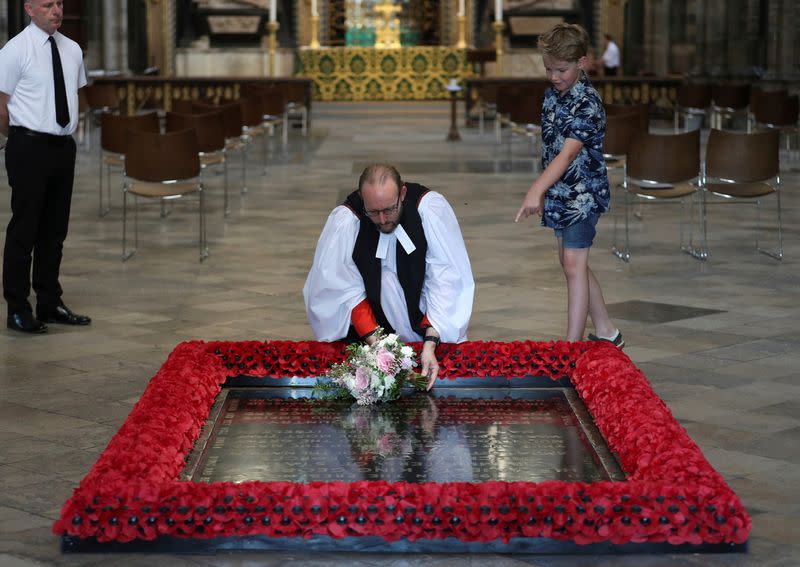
(598, 311)
(575, 262)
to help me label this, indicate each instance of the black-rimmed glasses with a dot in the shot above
(374, 213)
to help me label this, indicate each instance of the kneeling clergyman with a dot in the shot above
(391, 255)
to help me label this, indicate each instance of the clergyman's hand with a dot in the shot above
(430, 366)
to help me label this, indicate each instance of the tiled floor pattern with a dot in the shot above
(719, 340)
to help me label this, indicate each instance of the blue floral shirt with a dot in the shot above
(583, 189)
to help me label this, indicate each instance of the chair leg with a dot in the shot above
(285, 132)
(225, 209)
(776, 254)
(202, 222)
(244, 167)
(700, 253)
(125, 253)
(304, 114)
(625, 253)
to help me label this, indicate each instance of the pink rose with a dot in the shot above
(362, 378)
(385, 361)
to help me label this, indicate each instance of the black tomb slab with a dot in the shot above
(459, 434)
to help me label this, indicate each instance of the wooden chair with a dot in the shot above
(84, 115)
(294, 95)
(274, 108)
(113, 145)
(662, 169)
(620, 131)
(486, 103)
(641, 110)
(727, 102)
(210, 130)
(779, 111)
(100, 98)
(692, 101)
(234, 127)
(744, 168)
(524, 119)
(162, 166)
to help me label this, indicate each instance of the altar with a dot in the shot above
(364, 73)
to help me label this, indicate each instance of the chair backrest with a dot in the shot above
(83, 102)
(114, 128)
(252, 109)
(620, 130)
(231, 111)
(273, 102)
(183, 106)
(162, 157)
(776, 108)
(210, 128)
(742, 157)
(642, 110)
(527, 109)
(731, 95)
(694, 96)
(102, 95)
(294, 92)
(671, 158)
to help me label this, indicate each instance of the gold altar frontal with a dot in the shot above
(365, 73)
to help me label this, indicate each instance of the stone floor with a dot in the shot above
(719, 340)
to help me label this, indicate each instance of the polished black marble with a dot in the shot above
(263, 434)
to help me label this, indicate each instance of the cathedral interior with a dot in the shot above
(718, 337)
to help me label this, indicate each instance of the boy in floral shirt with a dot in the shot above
(572, 191)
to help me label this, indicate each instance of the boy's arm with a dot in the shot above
(533, 203)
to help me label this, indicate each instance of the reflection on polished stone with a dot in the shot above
(254, 434)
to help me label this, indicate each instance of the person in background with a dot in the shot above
(41, 71)
(610, 57)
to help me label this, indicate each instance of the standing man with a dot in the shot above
(391, 255)
(610, 57)
(41, 71)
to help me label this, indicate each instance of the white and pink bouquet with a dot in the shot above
(373, 373)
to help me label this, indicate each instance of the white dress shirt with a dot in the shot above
(26, 75)
(334, 285)
(611, 55)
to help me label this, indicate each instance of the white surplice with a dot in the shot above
(334, 285)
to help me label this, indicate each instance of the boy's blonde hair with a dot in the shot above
(565, 42)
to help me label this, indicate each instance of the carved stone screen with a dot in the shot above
(470, 435)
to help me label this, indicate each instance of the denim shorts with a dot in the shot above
(579, 235)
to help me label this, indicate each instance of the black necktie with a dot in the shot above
(62, 110)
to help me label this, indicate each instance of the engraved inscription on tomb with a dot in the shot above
(416, 439)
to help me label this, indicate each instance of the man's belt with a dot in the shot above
(41, 135)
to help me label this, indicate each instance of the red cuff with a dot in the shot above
(363, 318)
(425, 322)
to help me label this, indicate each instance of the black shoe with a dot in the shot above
(62, 314)
(617, 341)
(24, 322)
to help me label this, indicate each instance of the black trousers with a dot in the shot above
(610, 71)
(41, 171)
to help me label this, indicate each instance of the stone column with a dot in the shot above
(783, 52)
(115, 33)
(4, 21)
